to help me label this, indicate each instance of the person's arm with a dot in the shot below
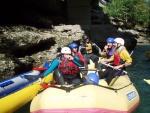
(126, 58)
(75, 59)
(99, 50)
(81, 49)
(54, 64)
(81, 58)
(107, 60)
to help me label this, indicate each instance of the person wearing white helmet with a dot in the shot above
(119, 41)
(120, 59)
(65, 67)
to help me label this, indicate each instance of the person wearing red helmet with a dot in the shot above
(121, 59)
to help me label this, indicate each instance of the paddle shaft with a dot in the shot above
(32, 76)
(113, 67)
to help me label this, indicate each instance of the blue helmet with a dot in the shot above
(110, 40)
(73, 45)
(93, 78)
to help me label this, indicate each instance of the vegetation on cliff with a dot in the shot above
(133, 12)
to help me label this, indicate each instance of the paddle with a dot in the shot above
(33, 76)
(82, 69)
(85, 69)
(45, 86)
(120, 71)
(148, 81)
(117, 75)
(39, 68)
(112, 67)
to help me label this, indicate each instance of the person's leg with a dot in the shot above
(59, 77)
(86, 57)
(74, 79)
(105, 73)
(103, 66)
(95, 59)
(110, 76)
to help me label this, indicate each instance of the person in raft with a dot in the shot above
(74, 50)
(108, 50)
(86, 49)
(121, 59)
(65, 67)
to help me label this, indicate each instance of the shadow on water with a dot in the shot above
(24, 109)
(141, 68)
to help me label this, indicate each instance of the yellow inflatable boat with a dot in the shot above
(14, 101)
(19, 90)
(121, 97)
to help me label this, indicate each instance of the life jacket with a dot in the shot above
(80, 57)
(88, 48)
(67, 67)
(110, 52)
(117, 59)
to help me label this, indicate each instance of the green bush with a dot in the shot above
(131, 11)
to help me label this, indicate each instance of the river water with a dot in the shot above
(140, 68)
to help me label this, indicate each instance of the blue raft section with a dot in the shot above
(20, 81)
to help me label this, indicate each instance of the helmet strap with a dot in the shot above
(118, 45)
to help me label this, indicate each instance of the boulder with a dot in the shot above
(100, 33)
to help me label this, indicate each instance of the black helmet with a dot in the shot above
(84, 37)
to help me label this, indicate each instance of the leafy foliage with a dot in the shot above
(131, 11)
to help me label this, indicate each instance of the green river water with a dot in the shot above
(141, 68)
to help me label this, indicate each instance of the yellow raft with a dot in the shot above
(121, 97)
(147, 53)
(14, 101)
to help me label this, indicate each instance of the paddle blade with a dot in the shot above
(148, 81)
(44, 86)
(40, 68)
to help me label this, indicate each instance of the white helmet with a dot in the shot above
(119, 41)
(66, 50)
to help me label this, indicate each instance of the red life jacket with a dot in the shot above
(80, 57)
(67, 67)
(116, 58)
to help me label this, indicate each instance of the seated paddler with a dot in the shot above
(65, 68)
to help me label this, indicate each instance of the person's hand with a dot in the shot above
(99, 54)
(73, 54)
(58, 54)
(105, 47)
(70, 57)
(40, 80)
(116, 67)
(102, 61)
